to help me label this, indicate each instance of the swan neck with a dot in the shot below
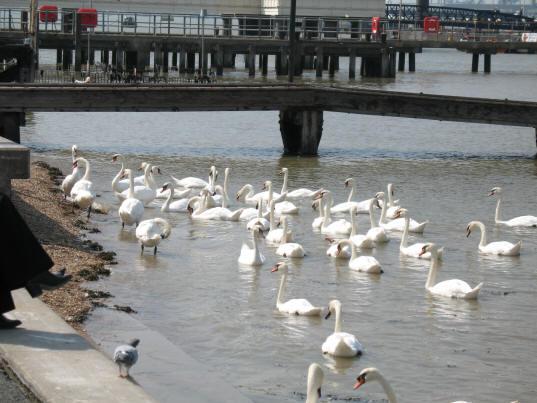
(226, 180)
(431, 277)
(387, 388)
(115, 181)
(404, 238)
(354, 226)
(483, 241)
(371, 218)
(271, 217)
(281, 291)
(337, 312)
(285, 234)
(390, 198)
(260, 208)
(168, 200)
(326, 220)
(498, 205)
(382, 212)
(321, 207)
(351, 194)
(146, 175)
(131, 186)
(87, 173)
(285, 178)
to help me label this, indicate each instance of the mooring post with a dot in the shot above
(352, 63)
(264, 66)
(412, 62)
(475, 62)
(319, 62)
(219, 60)
(487, 57)
(301, 131)
(401, 65)
(332, 66)
(251, 61)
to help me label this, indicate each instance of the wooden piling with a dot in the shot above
(401, 64)
(411, 62)
(487, 57)
(251, 61)
(264, 66)
(301, 131)
(319, 62)
(182, 61)
(332, 66)
(219, 60)
(475, 62)
(58, 59)
(352, 63)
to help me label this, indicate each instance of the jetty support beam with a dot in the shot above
(301, 131)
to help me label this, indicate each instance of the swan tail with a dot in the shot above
(473, 294)
(517, 247)
(440, 252)
(177, 181)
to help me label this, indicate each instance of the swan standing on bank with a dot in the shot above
(74, 176)
(521, 221)
(131, 209)
(297, 194)
(398, 224)
(373, 374)
(448, 288)
(252, 256)
(289, 249)
(494, 248)
(298, 306)
(340, 344)
(376, 233)
(366, 264)
(413, 250)
(151, 232)
(339, 227)
(362, 207)
(315, 382)
(82, 192)
(177, 206)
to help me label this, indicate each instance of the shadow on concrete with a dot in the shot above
(44, 340)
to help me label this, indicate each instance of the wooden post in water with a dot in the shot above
(352, 63)
(401, 65)
(475, 62)
(301, 131)
(182, 61)
(332, 66)
(292, 39)
(319, 64)
(251, 61)
(219, 60)
(264, 66)
(10, 123)
(487, 57)
(411, 62)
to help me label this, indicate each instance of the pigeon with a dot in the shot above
(125, 356)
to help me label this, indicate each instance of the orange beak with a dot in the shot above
(397, 215)
(75, 164)
(318, 197)
(422, 252)
(358, 384)
(275, 268)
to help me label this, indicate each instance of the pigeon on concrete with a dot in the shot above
(125, 356)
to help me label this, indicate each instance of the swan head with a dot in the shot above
(332, 306)
(348, 181)
(330, 240)
(74, 150)
(125, 173)
(315, 379)
(379, 196)
(166, 186)
(266, 185)
(156, 169)
(471, 225)
(367, 375)
(282, 266)
(400, 212)
(257, 230)
(428, 247)
(213, 174)
(322, 194)
(495, 190)
(142, 166)
(114, 157)
(390, 190)
(283, 171)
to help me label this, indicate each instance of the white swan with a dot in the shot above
(177, 206)
(131, 209)
(494, 248)
(362, 207)
(366, 264)
(334, 250)
(215, 213)
(124, 183)
(373, 374)
(275, 235)
(448, 288)
(392, 207)
(281, 207)
(299, 306)
(359, 240)
(83, 192)
(315, 382)
(398, 224)
(221, 199)
(376, 233)
(151, 232)
(521, 221)
(339, 227)
(74, 176)
(197, 183)
(145, 193)
(259, 219)
(340, 344)
(318, 221)
(297, 194)
(413, 250)
(289, 249)
(252, 256)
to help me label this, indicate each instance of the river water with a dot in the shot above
(223, 314)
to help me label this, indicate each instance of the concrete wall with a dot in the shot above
(352, 8)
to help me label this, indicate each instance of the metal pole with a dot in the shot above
(291, 64)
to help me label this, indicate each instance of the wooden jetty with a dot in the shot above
(301, 106)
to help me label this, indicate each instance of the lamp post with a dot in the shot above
(291, 64)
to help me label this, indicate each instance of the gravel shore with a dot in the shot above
(62, 232)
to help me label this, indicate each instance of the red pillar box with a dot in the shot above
(376, 25)
(48, 13)
(89, 17)
(431, 25)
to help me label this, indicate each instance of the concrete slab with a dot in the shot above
(58, 364)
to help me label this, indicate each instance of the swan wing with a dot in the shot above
(366, 264)
(290, 250)
(299, 306)
(502, 248)
(344, 254)
(522, 221)
(362, 241)
(455, 289)
(342, 344)
(378, 234)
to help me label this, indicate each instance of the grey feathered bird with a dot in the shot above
(125, 356)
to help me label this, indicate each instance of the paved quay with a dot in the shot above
(57, 364)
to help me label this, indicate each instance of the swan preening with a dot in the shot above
(83, 192)
(340, 344)
(151, 232)
(493, 248)
(298, 306)
(373, 374)
(521, 221)
(448, 288)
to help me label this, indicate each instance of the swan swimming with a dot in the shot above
(373, 374)
(289, 249)
(376, 233)
(315, 382)
(494, 248)
(297, 194)
(362, 207)
(252, 256)
(398, 224)
(413, 250)
(521, 221)
(177, 206)
(298, 306)
(339, 227)
(340, 344)
(366, 264)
